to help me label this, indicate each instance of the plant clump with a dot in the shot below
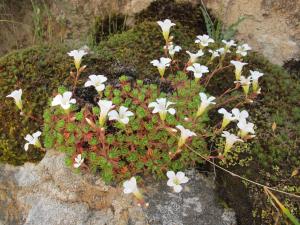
(142, 128)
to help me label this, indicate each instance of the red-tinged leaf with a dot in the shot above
(67, 135)
(89, 136)
(124, 170)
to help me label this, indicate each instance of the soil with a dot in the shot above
(16, 25)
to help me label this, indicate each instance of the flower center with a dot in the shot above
(176, 181)
(64, 101)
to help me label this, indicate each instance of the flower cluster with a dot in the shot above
(245, 82)
(138, 127)
(244, 127)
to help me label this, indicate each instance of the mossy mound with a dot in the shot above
(278, 105)
(276, 150)
(140, 45)
(30, 70)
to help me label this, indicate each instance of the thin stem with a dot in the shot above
(214, 72)
(76, 80)
(228, 101)
(230, 90)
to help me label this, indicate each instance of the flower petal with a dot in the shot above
(170, 183)
(171, 174)
(57, 100)
(125, 120)
(113, 115)
(26, 146)
(177, 188)
(172, 111)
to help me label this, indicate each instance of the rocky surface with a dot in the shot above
(51, 194)
(271, 27)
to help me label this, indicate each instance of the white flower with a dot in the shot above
(227, 117)
(122, 116)
(238, 68)
(17, 96)
(166, 26)
(173, 49)
(176, 179)
(229, 44)
(204, 40)
(78, 161)
(161, 64)
(205, 102)
(194, 56)
(245, 128)
(130, 186)
(242, 49)
(198, 70)
(185, 134)
(96, 81)
(214, 54)
(33, 140)
(239, 115)
(77, 55)
(105, 107)
(245, 82)
(255, 75)
(230, 140)
(64, 100)
(161, 106)
(222, 51)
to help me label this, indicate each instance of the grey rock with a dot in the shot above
(50, 193)
(196, 204)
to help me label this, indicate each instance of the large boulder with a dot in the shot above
(271, 27)
(50, 193)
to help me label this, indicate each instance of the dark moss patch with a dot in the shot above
(188, 15)
(293, 67)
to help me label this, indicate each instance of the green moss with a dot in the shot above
(279, 104)
(274, 154)
(35, 70)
